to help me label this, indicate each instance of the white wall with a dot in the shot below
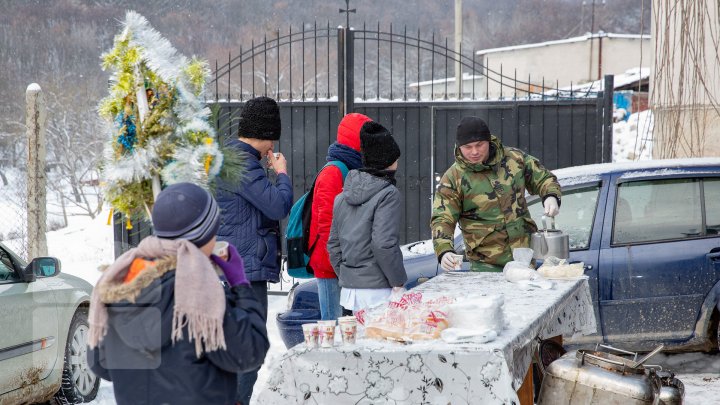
(562, 63)
(685, 86)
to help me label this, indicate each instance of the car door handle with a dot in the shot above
(714, 256)
(587, 267)
(421, 280)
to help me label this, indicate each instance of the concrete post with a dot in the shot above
(35, 120)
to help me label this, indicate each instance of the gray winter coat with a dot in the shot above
(364, 237)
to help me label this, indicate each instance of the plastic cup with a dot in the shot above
(348, 329)
(327, 333)
(349, 318)
(221, 249)
(311, 332)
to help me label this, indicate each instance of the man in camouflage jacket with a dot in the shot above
(484, 191)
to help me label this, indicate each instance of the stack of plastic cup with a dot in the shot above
(327, 333)
(348, 329)
(311, 332)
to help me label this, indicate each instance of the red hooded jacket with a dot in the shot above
(328, 185)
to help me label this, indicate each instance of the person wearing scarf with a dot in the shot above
(164, 327)
(328, 184)
(364, 242)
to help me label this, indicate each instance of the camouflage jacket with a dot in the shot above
(488, 202)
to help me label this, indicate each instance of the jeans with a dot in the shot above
(246, 380)
(329, 297)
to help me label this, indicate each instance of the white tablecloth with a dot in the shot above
(435, 372)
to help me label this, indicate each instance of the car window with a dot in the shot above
(657, 210)
(577, 212)
(711, 188)
(7, 272)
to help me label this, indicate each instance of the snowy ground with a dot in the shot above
(86, 244)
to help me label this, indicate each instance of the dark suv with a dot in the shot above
(648, 233)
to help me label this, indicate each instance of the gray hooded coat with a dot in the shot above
(364, 237)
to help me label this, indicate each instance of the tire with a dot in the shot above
(715, 331)
(547, 352)
(79, 383)
(717, 336)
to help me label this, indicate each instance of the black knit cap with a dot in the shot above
(186, 211)
(260, 119)
(377, 145)
(471, 129)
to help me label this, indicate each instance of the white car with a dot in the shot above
(43, 333)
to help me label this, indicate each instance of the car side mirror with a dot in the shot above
(41, 266)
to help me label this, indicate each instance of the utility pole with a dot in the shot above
(458, 48)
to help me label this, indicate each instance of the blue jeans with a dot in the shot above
(329, 297)
(246, 380)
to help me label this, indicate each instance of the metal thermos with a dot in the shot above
(598, 378)
(550, 242)
(595, 377)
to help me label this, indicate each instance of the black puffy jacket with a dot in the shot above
(138, 356)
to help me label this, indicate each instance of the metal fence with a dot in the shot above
(13, 208)
(403, 80)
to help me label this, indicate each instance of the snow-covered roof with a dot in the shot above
(621, 80)
(466, 76)
(562, 41)
(655, 164)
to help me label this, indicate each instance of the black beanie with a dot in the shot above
(260, 119)
(377, 145)
(186, 211)
(471, 129)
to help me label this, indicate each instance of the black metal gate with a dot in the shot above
(405, 82)
(319, 73)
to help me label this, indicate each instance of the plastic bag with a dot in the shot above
(460, 335)
(523, 255)
(519, 268)
(408, 318)
(519, 271)
(562, 270)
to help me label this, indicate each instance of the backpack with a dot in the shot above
(297, 233)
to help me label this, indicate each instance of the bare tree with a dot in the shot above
(75, 138)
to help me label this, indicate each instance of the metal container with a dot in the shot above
(672, 390)
(548, 242)
(591, 377)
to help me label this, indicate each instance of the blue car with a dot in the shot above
(303, 306)
(649, 235)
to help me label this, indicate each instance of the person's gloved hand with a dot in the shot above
(233, 268)
(450, 261)
(551, 206)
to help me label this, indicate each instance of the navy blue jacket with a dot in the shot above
(250, 216)
(138, 355)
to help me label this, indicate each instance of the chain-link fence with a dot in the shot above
(13, 217)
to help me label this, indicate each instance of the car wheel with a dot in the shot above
(79, 383)
(717, 330)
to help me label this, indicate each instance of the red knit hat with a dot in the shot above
(349, 130)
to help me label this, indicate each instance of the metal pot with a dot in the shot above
(548, 242)
(593, 377)
(672, 390)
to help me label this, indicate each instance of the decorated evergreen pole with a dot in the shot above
(161, 131)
